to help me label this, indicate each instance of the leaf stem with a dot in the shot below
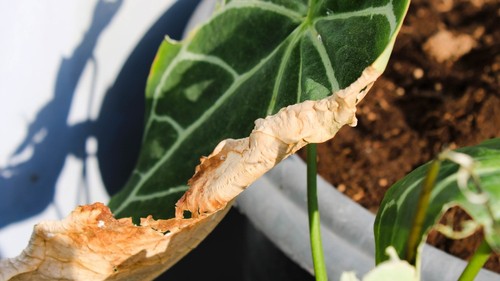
(313, 211)
(313, 6)
(415, 235)
(477, 261)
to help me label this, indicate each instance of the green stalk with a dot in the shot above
(423, 203)
(477, 261)
(313, 211)
(313, 9)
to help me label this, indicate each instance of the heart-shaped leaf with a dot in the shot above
(251, 59)
(395, 216)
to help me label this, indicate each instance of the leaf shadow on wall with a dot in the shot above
(27, 186)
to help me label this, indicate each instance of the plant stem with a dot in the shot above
(313, 211)
(477, 261)
(423, 203)
(313, 6)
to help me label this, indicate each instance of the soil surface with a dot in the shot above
(441, 89)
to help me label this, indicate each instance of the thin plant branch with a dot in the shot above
(423, 203)
(477, 262)
(314, 219)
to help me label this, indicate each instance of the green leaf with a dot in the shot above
(251, 59)
(395, 216)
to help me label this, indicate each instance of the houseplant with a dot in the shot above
(423, 102)
(155, 151)
(280, 216)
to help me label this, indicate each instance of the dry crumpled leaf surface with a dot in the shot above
(90, 244)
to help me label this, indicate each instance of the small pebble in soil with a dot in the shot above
(400, 91)
(383, 182)
(438, 87)
(358, 196)
(418, 73)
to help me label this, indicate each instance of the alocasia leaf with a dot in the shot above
(91, 244)
(251, 59)
(395, 216)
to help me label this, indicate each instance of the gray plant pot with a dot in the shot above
(276, 205)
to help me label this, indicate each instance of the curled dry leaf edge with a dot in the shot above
(90, 244)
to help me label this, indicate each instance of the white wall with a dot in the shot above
(58, 59)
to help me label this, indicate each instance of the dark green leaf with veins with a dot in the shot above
(250, 60)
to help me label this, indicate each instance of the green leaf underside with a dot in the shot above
(250, 60)
(395, 215)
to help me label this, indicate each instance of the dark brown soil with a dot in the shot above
(441, 89)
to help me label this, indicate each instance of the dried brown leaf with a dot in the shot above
(235, 164)
(90, 244)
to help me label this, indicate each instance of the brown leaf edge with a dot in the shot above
(90, 244)
(235, 164)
